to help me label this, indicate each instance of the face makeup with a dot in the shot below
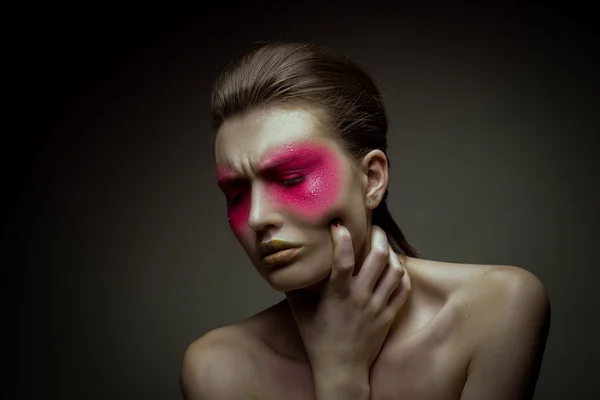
(302, 178)
(282, 257)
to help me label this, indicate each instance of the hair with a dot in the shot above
(310, 75)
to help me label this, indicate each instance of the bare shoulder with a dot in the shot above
(493, 284)
(506, 320)
(508, 299)
(220, 364)
(505, 315)
(504, 289)
(485, 296)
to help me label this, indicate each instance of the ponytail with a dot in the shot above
(383, 218)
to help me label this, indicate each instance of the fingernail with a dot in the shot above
(337, 222)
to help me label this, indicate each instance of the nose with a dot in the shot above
(263, 213)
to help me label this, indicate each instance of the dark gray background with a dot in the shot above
(128, 255)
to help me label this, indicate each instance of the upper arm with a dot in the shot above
(217, 367)
(511, 339)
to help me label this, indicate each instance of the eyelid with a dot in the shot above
(234, 197)
(297, 180)
(233, 192)
(291, 175)
(297, 166)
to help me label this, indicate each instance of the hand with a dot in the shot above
(346, 327)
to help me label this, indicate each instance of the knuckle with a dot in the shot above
(337, 293)
(381, 254)
(387, 316)
(383, 238)
(408, 288)
(372, 309)
(361, 298)
(398, 272)
(407, 283)
(344, 266)
(377, 230)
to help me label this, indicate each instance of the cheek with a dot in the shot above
(238, 216)
(316, 195)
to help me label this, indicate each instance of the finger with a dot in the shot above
(343, 262)
(400, 294)
(375, 262)
(390, 281)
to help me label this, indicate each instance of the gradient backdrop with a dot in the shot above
(128, 255)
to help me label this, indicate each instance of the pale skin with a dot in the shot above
(360, 321)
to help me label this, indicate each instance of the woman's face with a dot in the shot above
(285, 179)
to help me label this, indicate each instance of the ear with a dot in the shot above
(375, 166)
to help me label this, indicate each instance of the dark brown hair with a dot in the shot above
(310, 75)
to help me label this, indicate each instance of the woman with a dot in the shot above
(300, 154)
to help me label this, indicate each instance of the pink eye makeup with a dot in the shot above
(302, 178)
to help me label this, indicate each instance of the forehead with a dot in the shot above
(248, 139)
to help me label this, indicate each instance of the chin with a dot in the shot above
(295, 276)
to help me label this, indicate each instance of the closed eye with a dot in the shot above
(292, 181)
(232, 201)
(234, 198)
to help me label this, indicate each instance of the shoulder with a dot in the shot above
(489, 287)
(506, 291)
(491, 296)
(482, 297)
(220, 364)
(508, 316)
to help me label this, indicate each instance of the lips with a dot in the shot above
(278, 252)
(273, 246)
(281, 257)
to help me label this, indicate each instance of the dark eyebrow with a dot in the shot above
(231, 180)
(272, 163)
(265, 167)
